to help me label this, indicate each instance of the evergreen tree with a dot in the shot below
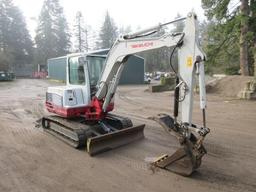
(179, 26)
(16, 47)
(230, 34)
(80, 34)
(222, 47)
(62, 32)
(158, 59)
(108, 33)
(125, 30)
(52, 36)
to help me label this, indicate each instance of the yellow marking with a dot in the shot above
(189, 61)
(160, 158)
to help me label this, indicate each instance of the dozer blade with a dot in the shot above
(114, 139)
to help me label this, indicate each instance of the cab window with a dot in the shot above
(76, 71)
(95, 65)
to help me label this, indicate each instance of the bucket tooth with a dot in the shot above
(114, 139)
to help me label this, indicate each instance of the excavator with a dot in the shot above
(82, 109)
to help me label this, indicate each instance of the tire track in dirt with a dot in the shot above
(40, 162)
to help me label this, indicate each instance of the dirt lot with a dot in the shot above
(31, 160)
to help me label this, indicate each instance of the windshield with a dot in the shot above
(76, 71)
(95, 65)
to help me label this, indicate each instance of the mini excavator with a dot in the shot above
(82, 108)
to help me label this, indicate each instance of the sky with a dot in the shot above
(143, 13)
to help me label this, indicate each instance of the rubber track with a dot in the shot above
(78, 130)
(75, 132)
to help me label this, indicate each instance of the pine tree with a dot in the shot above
(158, 59)
(52, 34)
(179, 26)
(231, 34)
(80, 34)
(125, 30)
(108, 33)
(63, 43)
(16, 46)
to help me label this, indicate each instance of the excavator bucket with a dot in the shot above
(115, 139)
(186, 159)
(183, 162)
(179, 163)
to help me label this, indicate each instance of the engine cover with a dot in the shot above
(67, 101)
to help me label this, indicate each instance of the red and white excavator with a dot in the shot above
(83, 106)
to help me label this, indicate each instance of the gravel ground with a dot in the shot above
(31, 160)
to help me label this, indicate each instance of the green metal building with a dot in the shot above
(133, 72)
(57, 68)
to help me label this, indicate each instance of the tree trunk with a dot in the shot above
(253, 17)
(244, 8)
(254, 58)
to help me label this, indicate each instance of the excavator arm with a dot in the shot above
(114, 64)
(118, 56)
(190, 61)
(190, 64)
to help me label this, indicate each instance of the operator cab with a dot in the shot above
(82, 75)
(83, 68)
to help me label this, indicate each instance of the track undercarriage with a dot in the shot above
(112, 132)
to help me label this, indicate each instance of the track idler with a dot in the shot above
(188, 157)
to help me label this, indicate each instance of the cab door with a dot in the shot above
(78, 78)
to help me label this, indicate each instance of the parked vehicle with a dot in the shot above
(6, 76)
(147, 79)
(157, 77)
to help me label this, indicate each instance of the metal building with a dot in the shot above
(57, 68)
(133, 72)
